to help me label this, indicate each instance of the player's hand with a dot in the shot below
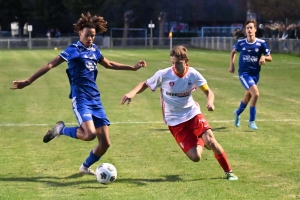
(127, 97)
(20, 84)
(210, 107)
(231, 69)
(140, 64)
(262, 60)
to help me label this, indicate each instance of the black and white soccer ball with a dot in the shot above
(106, 173)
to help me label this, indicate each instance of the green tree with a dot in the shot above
(277, 9)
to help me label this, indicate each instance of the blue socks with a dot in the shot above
(91, 159)
(252, 113)
(69, 131)
(241, 108)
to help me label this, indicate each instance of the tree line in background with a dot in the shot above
(61, 14)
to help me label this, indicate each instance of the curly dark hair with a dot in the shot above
(87, 21)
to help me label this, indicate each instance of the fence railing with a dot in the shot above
(226, 44)
(211, 43)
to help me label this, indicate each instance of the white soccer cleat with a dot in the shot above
(231, 176)
(85, 170)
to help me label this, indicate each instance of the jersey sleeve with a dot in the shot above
(155, 81)
(236, 47)
(98, 53)
(69, 53)
(266, 50)
(199, 79)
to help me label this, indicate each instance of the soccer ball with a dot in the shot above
(106, 173)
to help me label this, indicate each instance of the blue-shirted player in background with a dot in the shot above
(254, 52)
(82, 58)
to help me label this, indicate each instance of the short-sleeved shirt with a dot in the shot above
(177, 103)
(250, 54)
(82, 70)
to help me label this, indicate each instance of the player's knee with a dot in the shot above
(195, 158)
(104, 144)
(89, 136)
(256, 95)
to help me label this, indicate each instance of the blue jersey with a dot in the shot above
(250, 54)
(82, 70)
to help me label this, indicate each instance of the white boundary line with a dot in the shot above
(153, 122)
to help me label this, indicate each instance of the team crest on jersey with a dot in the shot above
(190, 82)
(256, 49)
(171, 84)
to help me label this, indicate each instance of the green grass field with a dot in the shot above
(150, 164)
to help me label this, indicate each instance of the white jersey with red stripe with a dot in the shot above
(177, 102)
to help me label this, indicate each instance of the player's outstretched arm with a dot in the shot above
(119, 66)
(232, 58)
(138, 89)
(23, 83)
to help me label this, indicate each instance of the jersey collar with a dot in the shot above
(184, 73)
(81, 45)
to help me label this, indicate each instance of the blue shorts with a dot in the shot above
(248, 80)
(84, 111)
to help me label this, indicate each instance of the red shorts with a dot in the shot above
(188, 134)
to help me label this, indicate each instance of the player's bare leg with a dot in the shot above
(195, 153)
(210, 140)
(253, 90)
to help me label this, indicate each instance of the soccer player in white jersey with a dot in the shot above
(180, 112)
(254, 52)
(82, 58)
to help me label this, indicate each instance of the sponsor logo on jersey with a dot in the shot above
(90, 65)
(181, 94)
(248, 58)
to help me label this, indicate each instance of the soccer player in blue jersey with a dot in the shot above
(82, 58)
(254, 52)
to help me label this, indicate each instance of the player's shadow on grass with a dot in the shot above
(170, 178)
(219, 129)
(53, 181)
(160, 129)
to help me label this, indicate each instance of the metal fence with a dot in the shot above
(211, 43)
(226, 44)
